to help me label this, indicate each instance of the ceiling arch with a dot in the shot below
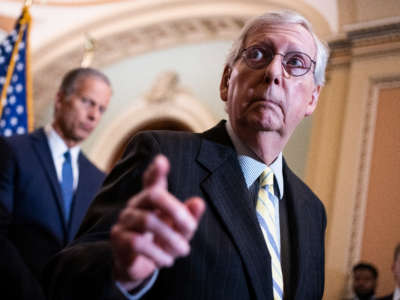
(147, 27)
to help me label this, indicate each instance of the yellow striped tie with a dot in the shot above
(265, 208)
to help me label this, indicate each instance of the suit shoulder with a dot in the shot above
(169, 135)
(87, 163)
(388, 297)
(16, 140)
(166, 140)
(15, 147)
(298, 187)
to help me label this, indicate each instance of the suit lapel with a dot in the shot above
(42, 150)
(81, 199)
(227, 192)
(301, 238)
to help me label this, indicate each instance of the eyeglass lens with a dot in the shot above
(295, 63)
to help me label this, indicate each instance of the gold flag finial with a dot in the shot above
(28, 3)
(90, 44)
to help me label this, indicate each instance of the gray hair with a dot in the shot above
(282, 18)
(70, 79)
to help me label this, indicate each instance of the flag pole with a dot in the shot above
(29, 89)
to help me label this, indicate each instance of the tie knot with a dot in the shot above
(267, 178)
(67, 155)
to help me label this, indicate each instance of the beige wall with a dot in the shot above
(347, 128)
(360, 11)
(382, 222)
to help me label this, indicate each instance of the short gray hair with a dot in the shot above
(71, 78)
(282, 18)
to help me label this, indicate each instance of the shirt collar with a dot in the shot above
(396, 294)
(251, 165)
(57, 144)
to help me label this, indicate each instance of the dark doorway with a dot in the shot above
(156, 124)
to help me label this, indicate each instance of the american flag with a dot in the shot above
(16, 111)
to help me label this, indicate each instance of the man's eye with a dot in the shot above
(296, 61)
(255, 54)
(85, 100)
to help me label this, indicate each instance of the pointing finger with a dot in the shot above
(156, 173)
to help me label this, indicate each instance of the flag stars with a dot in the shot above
(14, 37)
(21, 130)
(6, 42)
(19, 88)
(20, 109)
(14, 121)
(20, 66)
(8, 48)
(10, 89)
(12, 100)
(7, 132)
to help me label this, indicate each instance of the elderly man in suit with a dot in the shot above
(47, 183)
(216, 215)
(396, 273)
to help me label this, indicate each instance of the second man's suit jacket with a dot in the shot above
(388, 297)
(32, 224)
(229, 258)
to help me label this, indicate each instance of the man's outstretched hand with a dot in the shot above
(153, 229)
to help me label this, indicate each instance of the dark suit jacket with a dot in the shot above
(228, 259)
(32, 225)
(388, 297)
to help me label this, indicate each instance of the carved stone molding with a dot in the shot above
(129, 43)
(358, 42)
(165, 100)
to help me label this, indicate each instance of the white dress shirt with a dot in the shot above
(57, 149)
(396, 294)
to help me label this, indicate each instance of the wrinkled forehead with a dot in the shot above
(294, 36)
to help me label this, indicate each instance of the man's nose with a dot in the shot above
(93, 113)
(274, 70)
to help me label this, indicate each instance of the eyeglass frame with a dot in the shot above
(283, 58)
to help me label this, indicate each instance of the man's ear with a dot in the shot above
(224, 85)
(59, 100)
(312, 104)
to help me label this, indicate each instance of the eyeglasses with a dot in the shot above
(295, 63)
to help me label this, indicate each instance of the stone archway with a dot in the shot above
(147, 27)
(166, 105)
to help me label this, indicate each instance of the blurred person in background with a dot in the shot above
(47, 183)
(365, 278)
